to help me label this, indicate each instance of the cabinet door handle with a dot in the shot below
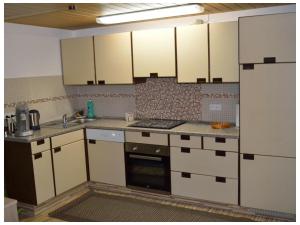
(40, 142)
(220, 140)
(248, 156)
(248, 66)
(101, 81)
(201, 80)
(92, 141)
(185, 137)
(38, 155)
(145, 134)
(90, 82)
(185, 175)
(57, 149)
(221, 179)
(220, 153)
(185, 150)
(153, 75)
(269, 59)
(217, 80)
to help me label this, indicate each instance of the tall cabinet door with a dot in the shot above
(113, 58)
(154, 52)
(223, 44)
(192, 53)
(78, 61)
(268, 183)
(268, 109)
(69, 166)
(268, 38)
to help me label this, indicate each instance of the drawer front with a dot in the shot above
(221, 143)
(67, 138)
(186, 141)
(146, 138)
(40, 145)
(210, 188)
(207, 162)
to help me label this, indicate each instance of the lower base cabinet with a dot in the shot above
(268, 183)
(69, 166)
(106, 162)
(217, 189)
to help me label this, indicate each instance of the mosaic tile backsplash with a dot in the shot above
(159, 98)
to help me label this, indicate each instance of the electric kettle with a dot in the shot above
(22, 120)
(34, 119)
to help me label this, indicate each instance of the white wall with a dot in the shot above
(32, 51)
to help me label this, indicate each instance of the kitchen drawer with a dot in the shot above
(210, 188)
(146, 137)
(40, 145)
(67, 138)
(186, 141)
(207, 162)
(221, 143)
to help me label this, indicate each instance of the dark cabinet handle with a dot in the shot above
(185, 137)
(185, 175)
(220, 153)
(201, 80)
(90, 82)
(220, 140)
(57, 149)
(153, 75)
(145, 134)
(221, 179)
(101, 81)
(92, 141)
(38, 155)
(248, 156)
(217, 80)
(248, 66)
(269, 59)
(185, 150)
(40, 142)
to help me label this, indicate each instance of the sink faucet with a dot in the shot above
(65, 120)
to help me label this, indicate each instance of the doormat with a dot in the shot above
(96, 207)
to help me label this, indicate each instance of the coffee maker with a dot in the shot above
(22, 121)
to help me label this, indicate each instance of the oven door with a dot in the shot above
(148, 171)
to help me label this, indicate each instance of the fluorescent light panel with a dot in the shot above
(151, 14)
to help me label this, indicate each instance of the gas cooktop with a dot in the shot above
(159, 124)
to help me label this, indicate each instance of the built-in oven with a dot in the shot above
(148, 166)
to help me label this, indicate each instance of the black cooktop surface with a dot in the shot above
(159, 124)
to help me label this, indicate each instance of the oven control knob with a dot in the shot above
(157, 151)
(134, 148)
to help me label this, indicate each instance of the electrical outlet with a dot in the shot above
(215, 107)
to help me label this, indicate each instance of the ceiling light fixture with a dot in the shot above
(151, 14)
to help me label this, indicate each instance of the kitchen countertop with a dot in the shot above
(191, 128)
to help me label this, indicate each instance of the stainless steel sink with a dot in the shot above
(71, 123)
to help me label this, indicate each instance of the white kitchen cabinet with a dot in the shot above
(267, 38)
(146, 137)
(43, 176)
(154, 52)
(223, 45)
(106, 162)
(69, 166)
(113, 58)
(268, 183)
(183, 140)
(192, 53)
(221, 143)
(78, 61)
(210, 188)
(268, 109)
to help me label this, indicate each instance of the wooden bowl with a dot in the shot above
(220, 125)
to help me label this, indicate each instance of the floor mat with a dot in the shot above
(95, 207)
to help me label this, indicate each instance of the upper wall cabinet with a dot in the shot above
(78, 61)
(113, 58)
(192, 53)
(154, 52)
(268, 38)
(223, 43)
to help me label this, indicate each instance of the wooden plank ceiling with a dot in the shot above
(58, 15)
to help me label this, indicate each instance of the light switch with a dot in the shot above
(215, 107)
